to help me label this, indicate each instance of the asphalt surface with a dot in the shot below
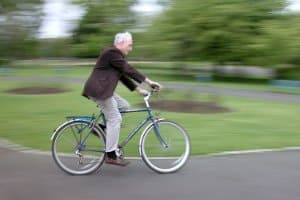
(263, 176)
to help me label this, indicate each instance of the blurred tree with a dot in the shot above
(54, 47)
(103, 19)
(235, 31)
(19, 22)
(291, 32)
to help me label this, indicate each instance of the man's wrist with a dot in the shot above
(137, 89)
(148, 81)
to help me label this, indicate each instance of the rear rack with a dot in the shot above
(86, 118)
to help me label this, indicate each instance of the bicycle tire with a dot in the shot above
(71, 155)
(165, 159)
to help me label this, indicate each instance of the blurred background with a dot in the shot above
(237, 44)
(238, 32)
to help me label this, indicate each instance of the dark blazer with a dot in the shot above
(110, 67)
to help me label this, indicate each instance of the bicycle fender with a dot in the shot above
(60, 126)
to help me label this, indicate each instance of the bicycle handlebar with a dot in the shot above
(147, 96)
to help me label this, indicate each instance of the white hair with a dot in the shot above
(122, 37)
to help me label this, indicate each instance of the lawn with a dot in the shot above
(30, 120)
(160, 71)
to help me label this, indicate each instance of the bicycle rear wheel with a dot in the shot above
(168, 157)
(77, 149)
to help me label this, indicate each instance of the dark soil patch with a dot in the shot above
(37, 90)
(189, 106)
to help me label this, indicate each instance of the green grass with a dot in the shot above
(30, 120)
(160, 71)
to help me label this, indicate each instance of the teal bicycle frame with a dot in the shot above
(149, 118)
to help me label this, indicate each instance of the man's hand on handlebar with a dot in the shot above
(154, 85)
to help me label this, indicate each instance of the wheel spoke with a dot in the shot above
(75, 133)
(72, 157)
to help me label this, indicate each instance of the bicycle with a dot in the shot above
(78, 145)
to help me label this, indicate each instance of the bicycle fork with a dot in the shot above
(158, 134)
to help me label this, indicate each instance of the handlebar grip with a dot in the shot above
(154, 86)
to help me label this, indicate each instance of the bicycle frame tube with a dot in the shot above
(81, 143)
(127, 139)
(139, 126)
(148, 118)
(90, 127)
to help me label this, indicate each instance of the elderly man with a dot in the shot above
(111, 67)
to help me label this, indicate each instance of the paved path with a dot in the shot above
(252, 94)
(264, 176)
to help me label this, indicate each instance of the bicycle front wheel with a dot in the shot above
(77, 149)
(165, 147)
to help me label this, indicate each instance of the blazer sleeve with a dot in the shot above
(128, 83)
(119, 63)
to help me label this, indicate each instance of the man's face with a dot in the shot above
(126, 46)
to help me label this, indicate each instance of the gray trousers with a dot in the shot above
(110, 107)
